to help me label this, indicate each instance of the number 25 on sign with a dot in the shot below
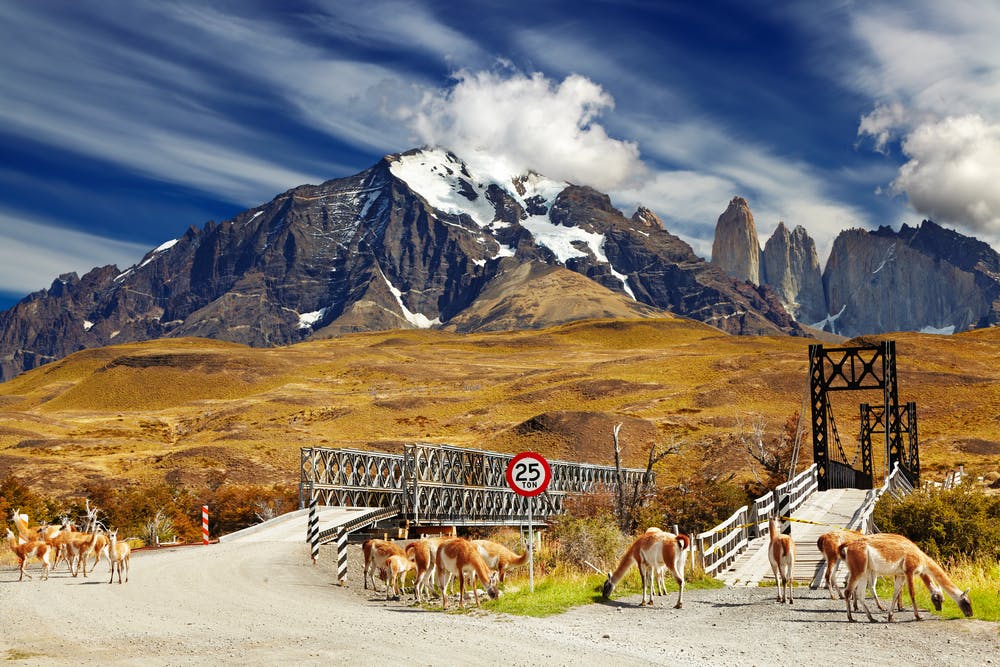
(529, 474)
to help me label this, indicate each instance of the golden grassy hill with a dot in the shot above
(196, 411)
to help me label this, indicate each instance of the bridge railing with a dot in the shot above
(760, 510)
(720, 546)
(795, 491)
(442, 484)
(350, 477)
(896, 484)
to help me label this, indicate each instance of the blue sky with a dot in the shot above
(124, 123)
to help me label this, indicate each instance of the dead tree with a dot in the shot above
(628, 501)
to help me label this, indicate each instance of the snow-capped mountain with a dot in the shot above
(417, 240)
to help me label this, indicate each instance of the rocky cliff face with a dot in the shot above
(413, 241)
(791, 268)
(923, 279)
(920, 279)
(736, 248)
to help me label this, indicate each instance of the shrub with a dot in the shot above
(959, 523)
(15, 495)
(596, 540)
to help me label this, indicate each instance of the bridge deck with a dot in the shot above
(828, 510)
(292, 527)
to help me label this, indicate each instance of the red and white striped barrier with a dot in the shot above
(204, 524)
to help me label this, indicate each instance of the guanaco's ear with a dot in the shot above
(609, 576)
(966, 591)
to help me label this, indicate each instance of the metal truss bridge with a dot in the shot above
(446, 485)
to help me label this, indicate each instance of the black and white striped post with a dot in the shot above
(312, 534)
(342, 557)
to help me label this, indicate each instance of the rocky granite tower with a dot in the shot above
(736, 249)
(791, 268)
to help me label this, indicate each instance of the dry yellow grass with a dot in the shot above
(188, 410)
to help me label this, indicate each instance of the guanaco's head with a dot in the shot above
(937, 599)
(493, 588)
(965, 604)
(608, 587)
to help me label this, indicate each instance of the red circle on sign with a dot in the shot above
(528, 474)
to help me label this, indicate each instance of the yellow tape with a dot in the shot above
(783, 518)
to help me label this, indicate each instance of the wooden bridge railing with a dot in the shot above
(441, 484)
(896, 484)
(721, 546)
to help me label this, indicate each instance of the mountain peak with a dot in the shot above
(646, 218)
(736, 248)
(414, 241)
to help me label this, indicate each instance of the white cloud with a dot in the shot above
(34, 252)
(528, 122)
(933, 71)
(953, 171)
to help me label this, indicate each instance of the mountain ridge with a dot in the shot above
(410, 242)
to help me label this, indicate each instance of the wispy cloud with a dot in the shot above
(778, 188)
(34, 252)
(933, 72)
(185, 95)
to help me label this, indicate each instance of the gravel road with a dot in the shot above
(262, 602)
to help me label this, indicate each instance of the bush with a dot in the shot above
(696, 507)
(959, 523)
(15, 495)
(160, 511)
(594, 539)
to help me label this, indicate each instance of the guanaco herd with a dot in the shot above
(442, 560)
(52, 544)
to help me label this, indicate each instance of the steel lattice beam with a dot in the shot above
(443, 484)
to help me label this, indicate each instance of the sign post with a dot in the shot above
(529, 474)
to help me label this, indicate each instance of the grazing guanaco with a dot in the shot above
(649, 552)
(424, 555)
(120, 553)
(829, 545)
(376, 554)
(25, 551)
(889, 554)
(457, 557)
(499, 557)
(781, 555)
(397, 567)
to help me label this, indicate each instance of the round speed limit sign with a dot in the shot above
(528, 474)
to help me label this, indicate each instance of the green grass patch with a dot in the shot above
(557, 594)
(981, 578)
(552, 595)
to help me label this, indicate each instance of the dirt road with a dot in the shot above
(261, 602)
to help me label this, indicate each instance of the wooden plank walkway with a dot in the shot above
(828, 510)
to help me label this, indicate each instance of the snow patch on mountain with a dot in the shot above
(309, 320)
(450, 185)
(445, 183)
(418, 320)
